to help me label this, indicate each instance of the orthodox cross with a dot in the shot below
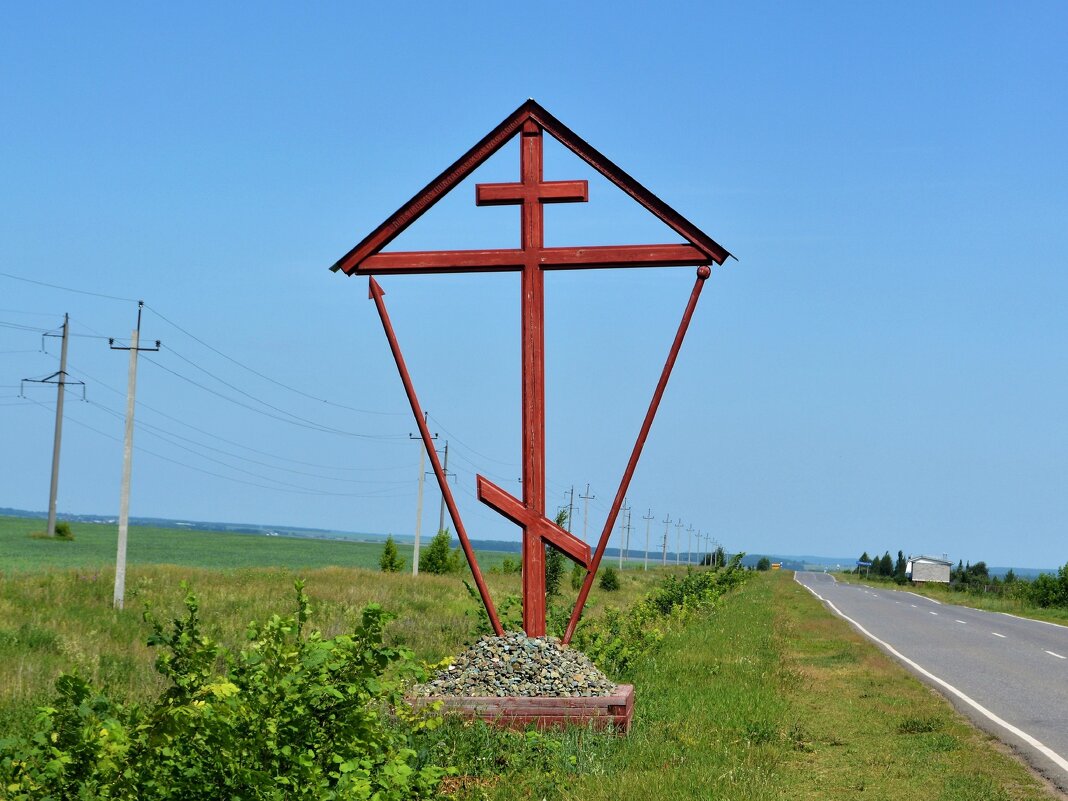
(531, 260)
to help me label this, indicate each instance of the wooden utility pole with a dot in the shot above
(647, 518)
(689, 544)
(127, 458)
(678, 542)
(419, 499)
(586, 509)
(61, 380)
(663, 556)
(61, 386)
(445, 469)
(570, 507)
(622, 526)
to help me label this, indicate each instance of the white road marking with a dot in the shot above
(963, 621)
(932, 613)
(932, 600)
(1056, 655)
(998, 635)
(913, 605)
(897, 602)
(1032, 620)
(1027, 738)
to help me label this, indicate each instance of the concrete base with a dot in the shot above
(517, 712)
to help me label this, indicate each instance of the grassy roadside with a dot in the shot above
(772, 697)
(988, 602)
(62, 621)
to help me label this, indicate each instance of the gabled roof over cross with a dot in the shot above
(530, 121)
(367, 259)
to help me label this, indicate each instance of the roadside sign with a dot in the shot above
(863, 564)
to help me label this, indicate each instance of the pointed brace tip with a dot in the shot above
(373, 289)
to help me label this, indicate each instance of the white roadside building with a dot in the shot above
(928, 568)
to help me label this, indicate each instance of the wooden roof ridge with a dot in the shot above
(444, 183)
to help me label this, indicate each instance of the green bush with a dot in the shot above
(289, 716)
(614, 640)
(609, 581)
(63, 531)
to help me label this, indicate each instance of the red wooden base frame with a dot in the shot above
(516, 712)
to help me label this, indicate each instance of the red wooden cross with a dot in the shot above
(531, 259)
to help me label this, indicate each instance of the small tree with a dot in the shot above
(886, 565)
(554, 561)
(578, 575)
(763, 563)
(609, 581)
(390, 562)
(438, 556)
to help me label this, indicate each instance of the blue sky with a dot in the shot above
(883, 368)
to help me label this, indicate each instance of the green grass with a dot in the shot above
(770, 697)
(55, 620)
(95, 543)
(766, 697)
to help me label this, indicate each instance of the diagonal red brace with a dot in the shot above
(376, 293)
(533, 523)
(702, 273)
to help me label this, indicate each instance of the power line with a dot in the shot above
(468, 447)
(220, 438)
(293, 419)
(66, 288)
(255, 372)
(220, 475)
(164, 433)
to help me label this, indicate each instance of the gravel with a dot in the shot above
(517, 665)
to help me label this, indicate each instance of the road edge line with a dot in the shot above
(1045, 750)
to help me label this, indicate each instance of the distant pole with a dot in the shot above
(689, 544)
(667, 525)
(61, 385)
(419, 498)
(586, 509)
(622, 518)
(678, 542)
(445, 470)
(626, 542)
(647, 518)
(570, 508)
(127, 458)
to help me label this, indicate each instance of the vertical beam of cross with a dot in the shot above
(530, 194)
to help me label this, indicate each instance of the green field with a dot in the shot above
(762, 696)
(94, 547)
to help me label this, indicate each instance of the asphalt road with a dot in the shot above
(1009, 674)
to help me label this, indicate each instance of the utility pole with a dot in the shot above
(127, 456)
(586, 509)
(419, 498)
(647, 518)
(445, 471)
(570, 508)
(689, 544)
(678, 542)
(667, 524)
(626, 546)
(61, 381)
(622, 526)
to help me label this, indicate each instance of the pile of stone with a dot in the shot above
(517, 665)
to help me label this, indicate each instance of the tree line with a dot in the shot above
(1046, 590)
